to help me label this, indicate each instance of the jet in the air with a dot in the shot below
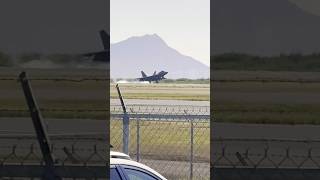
(101, 56)
(155, 77)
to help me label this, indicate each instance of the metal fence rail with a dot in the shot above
(263, 153)
(263, 159)
(40, 155)
(75, 157)
(174, 140)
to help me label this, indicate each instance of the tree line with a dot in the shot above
(282, 62)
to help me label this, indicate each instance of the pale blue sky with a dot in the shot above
(183, 24)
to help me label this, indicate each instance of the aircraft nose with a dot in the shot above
(165, 72)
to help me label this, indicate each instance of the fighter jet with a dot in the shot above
(155, 77)
(102, 56)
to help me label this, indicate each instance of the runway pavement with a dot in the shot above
(267, 131)
(54, 126)
(160, 102)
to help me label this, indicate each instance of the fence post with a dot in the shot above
(126, 133)
(40, 129)
(125, 128)
(191, 148)
(138, 139)
(191, 145)
(138, 136)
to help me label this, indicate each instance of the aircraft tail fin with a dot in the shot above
(105, 39)
(155, 72)
(143, 74)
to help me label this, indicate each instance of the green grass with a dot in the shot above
(190, 92)
(55, 95)
(163, 96)
(90, 95)
(265, 102)
(242, 102)
(165, 140)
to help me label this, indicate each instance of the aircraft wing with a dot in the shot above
(98, 56)
(102, 56)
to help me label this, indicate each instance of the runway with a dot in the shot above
(160, 102)
(265, 131)
(54, 126)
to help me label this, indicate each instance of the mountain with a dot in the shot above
(263, 27)
(150, 53)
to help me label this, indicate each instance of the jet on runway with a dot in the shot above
(155, 77)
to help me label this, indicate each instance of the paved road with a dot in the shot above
(55, 126)
(233, 130)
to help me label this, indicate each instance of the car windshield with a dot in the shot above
(114, 174)
(134, 174)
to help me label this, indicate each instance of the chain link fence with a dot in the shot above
(265, 159)
(76, 156)
(173, 140)
(78, 151)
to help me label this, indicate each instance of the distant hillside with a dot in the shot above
(263, 27)
(150, 53)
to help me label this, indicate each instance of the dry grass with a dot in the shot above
(266, 102)
(192, 92)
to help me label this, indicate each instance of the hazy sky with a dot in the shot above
(183, 24)
(52, 26)
(311, 6)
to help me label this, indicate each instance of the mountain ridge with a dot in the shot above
(151, 53)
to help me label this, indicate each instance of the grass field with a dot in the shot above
(165, 140)
(274, 101)
(240, 100)
(56, 98)
(191, 92)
